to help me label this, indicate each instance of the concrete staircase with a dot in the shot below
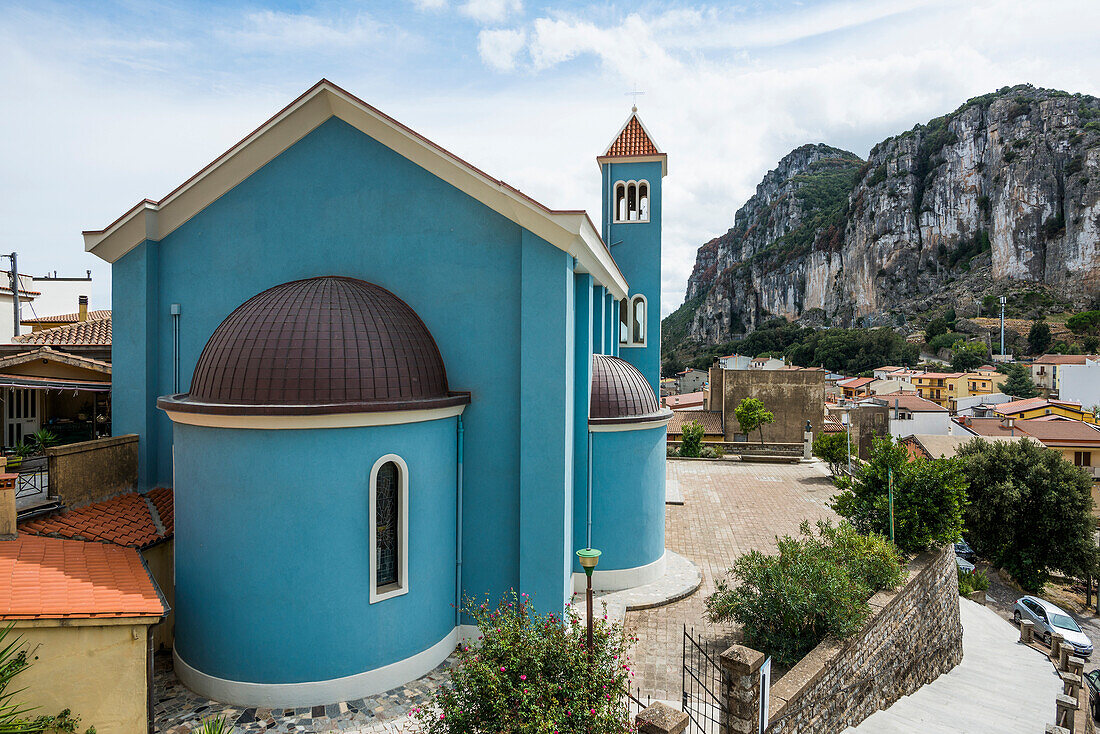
(1000, 687)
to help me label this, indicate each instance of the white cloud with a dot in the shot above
(430, 4)
(490, 11)
(498, 48)
(280, 31)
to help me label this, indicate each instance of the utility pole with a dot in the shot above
(15, 292)
(1003, 300)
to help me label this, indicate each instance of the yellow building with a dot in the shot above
(945, 388)
(1043, 407)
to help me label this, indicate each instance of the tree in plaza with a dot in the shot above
(1019, 383)
(965, 356)
(1030, 510)
(691, 440)
(929, 497)
(832, 448)
(752, 414)
(1039, 338)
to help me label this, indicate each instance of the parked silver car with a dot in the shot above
(1048, 619)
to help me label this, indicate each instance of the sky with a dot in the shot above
(107, 103)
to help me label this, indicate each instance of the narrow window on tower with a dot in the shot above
(624, 322)
(389, 527)
(638, 305)
(620, 202)
(643, 201)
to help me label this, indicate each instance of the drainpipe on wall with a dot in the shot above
(588, 531)
(458, 533)
(175, 310)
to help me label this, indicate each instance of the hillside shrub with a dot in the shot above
(530, 672)
(929, 497)
(816, 586)
(691, 440)
(832, 448)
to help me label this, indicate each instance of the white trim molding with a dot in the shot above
(625, 578)
(402, 585)
(327, 420)
(569, 230)
(315, 693)
(629, 425)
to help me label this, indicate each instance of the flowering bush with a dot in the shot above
(529, 672)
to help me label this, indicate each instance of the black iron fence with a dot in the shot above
(703, 700)
(34, 479)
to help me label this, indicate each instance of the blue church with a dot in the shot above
(380, 380)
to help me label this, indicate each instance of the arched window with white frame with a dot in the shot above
(632, 321)
(631, 201)
(389, 528)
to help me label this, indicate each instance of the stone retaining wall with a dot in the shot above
(92, 470)
(913, 635)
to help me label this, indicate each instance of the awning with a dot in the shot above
(26, 382)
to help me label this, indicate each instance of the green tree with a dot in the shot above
(934, 328)
(751, 415)
(1019, 383)
(691, 440)
(832, 448)
(1087, 322)
(1030, 510)
(671, 366)
(965, 356)
(929, 497)
(1039, 338)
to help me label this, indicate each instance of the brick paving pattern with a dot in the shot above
(730, 507)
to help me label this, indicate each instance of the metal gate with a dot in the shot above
(702, 685)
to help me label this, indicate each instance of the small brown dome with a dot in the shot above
(620, 394)
(321, 345)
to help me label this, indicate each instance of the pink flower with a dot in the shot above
(502, 669)
(523, 677)
(592, 711)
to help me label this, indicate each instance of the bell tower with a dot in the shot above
(632, 169)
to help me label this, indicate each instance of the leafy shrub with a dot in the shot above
(929, 497)
(946, 341)
(1086, 322)
(711, 451)
(817, 586)
(751, 415)
(832, 448)
(532, 673)
(966, 356)
(878, 176)
(691, 440)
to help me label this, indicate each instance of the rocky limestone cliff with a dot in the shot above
(1002, 193)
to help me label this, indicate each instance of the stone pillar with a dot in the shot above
(1063, 657)
(807, 442)
(1076, 665)
(1056, 640)
(1027, 631)
(8, 515)
(1052, 729)
(661, 719)
(741, 689)
(1071, 684)
(1064, 710)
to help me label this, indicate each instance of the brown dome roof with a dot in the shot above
(620, 394)
(321, 345)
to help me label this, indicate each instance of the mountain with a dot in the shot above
(1002, 196)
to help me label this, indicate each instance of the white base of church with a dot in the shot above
(626, 578)
(314, 693)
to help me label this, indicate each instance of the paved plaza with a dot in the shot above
(729, 508)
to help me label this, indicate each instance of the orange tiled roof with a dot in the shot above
(1019, 406)
(1063, 358)
(82, 333)
(684, 400)
(68, 318)
(710, 421)
(55, 578)
(632, 141)
(123, 520)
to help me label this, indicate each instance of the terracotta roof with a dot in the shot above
(632, 141)
(684, 400)
(55, 578)
(620, 393)
(1049, 433)
(82, 333)
(832, 425)
(711, 422)
(1019, 406)
(911, 402)
(887, 368)
(69, 318)
(123, 520)
(856, 382)
(319, 346)
(1063, 358)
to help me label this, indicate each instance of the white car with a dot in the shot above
(1048, 619)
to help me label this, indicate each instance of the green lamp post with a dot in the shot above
(589, 557)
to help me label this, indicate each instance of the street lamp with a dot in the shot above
(846, 413)
(589, 557)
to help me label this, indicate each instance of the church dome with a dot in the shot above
(620, 394)
(315, 346)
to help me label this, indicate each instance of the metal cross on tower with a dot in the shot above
(635, 93)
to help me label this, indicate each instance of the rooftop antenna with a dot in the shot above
(635, 93)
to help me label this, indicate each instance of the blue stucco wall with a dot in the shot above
(340, 203)
(628, 497)
(636, 247)
(272, 530)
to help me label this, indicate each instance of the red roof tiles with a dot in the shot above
(53, 578)
(710, 421)
(632, 141)
(68, 318)
(82, 333)
(123, 520)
